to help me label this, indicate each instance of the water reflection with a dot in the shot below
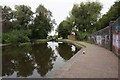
(35, 60)
(43, 57)
(66, 52)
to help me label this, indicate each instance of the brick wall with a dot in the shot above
(71, 36)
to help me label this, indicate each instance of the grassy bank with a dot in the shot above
(46, 40)
(34, 42)
(72, 41)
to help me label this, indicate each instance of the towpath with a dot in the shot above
(97, 62)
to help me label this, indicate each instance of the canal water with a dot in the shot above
(36, 60)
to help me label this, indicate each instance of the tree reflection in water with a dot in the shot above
(43, 58)
(66, 52)
(22, 61)
(17, 60)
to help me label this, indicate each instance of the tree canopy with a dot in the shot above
(82, 18)
(86, 15)
(43, 24)
(6, 17)
(85, 18)
(111, 15)
(21, 20)
(64, 29)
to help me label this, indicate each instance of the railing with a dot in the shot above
(108, 37)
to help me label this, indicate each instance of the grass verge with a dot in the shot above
(72, 41)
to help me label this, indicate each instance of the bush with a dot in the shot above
(82, 36)
(16, 37)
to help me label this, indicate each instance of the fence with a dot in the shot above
(108, 37)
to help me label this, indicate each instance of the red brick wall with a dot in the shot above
(71, 36)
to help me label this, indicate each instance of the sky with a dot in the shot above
(60, 8)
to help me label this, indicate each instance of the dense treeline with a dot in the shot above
(23, 25)
(81, 20)
(85, 18)
(111, 15)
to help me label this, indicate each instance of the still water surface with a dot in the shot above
(35, 61)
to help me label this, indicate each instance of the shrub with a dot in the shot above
(82, 36)
(16, 37)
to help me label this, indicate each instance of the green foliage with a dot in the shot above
(82, 36)
(23, 15)
(16, 37)
(81, 21)
(86, 15)
(22, 26)
(111, 15)
(64, 29)
(6, 17)
(6, 13)
(17, 22)
(42, 23)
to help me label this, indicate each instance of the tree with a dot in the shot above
(23, 15)
(82, 18)
(86, 15)
(111, 15)
(19, 21)
(43, 24)
(6, 17)
(64, 29)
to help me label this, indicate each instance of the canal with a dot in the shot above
(35, 60)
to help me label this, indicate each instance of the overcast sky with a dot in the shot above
(60, 8)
